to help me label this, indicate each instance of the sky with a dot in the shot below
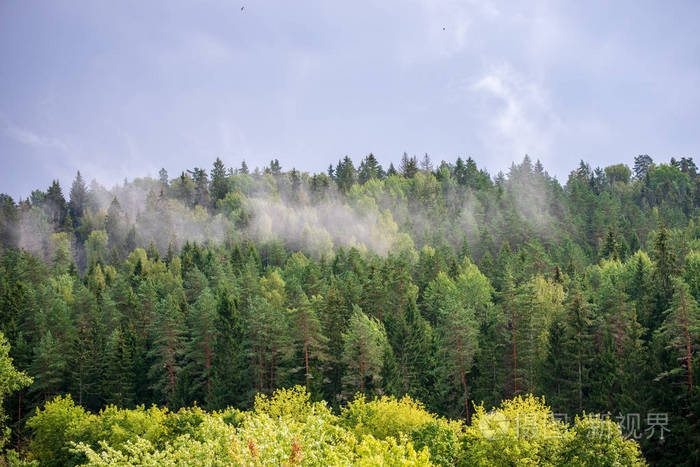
(119, 89)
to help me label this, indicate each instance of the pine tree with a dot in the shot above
(9, 218)
(335, 319)
(48, 367)
(642, 163)
(167, 349)
(457, 333)
(201, 187)
(420, 351)
(228, 374)
(345, 174)
(538, 301)
(120, 372)
(163, 179)
(611, 247)
(55, 204)
(114, 224)
(426, 165)
(86, 362)
(218, 187)
(308, 335)
(268, 336)
(577, 345)
(511, 323)
(364, 346)
(78, 199)
(244, 168)
(409, 166)
(201, 345)
(681, 328)
(369, 169)
(664, 270)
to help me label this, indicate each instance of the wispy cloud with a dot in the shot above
(32, 138)
(522, 119)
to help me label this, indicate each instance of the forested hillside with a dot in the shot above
(441, 282)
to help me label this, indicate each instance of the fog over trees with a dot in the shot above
(365, 289)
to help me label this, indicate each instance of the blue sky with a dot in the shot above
(122, 88)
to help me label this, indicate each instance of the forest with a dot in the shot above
(411, 315)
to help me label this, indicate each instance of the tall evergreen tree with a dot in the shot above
(228, 371)
(201, 346)
(408, 166)
(681, 329)
(79, 201)
(167, 350)
(364, 346)
(218, 187)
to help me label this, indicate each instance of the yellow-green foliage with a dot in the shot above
(599, 442)
(388, 417)
(54, 427)
(523, 432)
(389, 452)
(212, 442)
(287, 428)
(293, 402)
(385, 416)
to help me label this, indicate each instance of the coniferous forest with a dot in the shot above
(404, 315)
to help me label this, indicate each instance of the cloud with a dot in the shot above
(521, 119)
(32, 138)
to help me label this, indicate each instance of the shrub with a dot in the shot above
(441, 438)
(599, 442)
(54, 427)
(522, 431)
(384, 417)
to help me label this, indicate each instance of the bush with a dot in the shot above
(119, 426)
(441, 438)
(54, 427)
(384, 417)
(522, 431)
(388, 417)
(288, 429)
(599, 442)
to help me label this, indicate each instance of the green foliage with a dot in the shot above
(388, 417)
(385, 416)
(597, 441)
(284, 429)
(439, 282)
(520, 432)
(10, 380)
(523, 431)
(287, 428)
(54, 427)
(364, 346)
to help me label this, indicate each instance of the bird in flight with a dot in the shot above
(242, 8)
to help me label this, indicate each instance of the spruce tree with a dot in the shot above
(228, 371)
(78, 200)
(681, 329)
(166, 350)
(218, 187)
(364, 347)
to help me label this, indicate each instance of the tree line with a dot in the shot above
(491, 287)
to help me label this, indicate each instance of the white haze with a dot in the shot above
(370, 223)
